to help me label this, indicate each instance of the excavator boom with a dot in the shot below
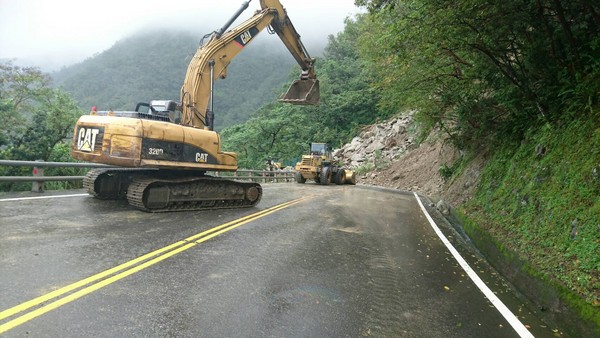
(212, 59)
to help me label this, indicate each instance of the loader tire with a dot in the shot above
(340, 177)
(325, 177)
(300, 178)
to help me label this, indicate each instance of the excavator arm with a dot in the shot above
(284, 28)
(213, 57)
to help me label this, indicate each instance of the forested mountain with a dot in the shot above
(152, 65)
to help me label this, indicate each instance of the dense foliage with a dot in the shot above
(482, 69)
(550, 199)
(152, 66)
(37, 118)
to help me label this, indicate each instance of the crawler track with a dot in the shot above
(168, 190)
(111, 183)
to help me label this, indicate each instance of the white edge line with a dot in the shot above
(39, 197)
(504, 311)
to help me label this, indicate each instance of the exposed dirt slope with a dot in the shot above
(389, 150)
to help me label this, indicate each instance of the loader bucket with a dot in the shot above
(303, 92)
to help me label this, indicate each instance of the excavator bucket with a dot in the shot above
(303, 92)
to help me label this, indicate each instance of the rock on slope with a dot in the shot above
(390, 150)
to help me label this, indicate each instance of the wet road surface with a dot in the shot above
(310, 261)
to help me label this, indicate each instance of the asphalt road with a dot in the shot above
(308, 261)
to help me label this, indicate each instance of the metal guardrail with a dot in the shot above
(38, 177)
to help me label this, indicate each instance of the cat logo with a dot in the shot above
(86, 139)
(245, 37)
(201, 157)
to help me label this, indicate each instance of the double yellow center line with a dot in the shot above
(88, 285)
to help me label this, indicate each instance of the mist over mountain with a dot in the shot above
(152, 65)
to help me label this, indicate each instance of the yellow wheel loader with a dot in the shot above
(319, 166)
(164, 148)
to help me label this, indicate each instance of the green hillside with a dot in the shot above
(152, 65)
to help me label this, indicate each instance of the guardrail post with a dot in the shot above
(38, 186)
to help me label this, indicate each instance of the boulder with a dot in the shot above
(388, 139)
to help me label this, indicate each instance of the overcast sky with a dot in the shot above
(53, 33)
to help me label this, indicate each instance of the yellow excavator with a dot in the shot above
(163, 149)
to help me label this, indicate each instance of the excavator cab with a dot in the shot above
(160, 109)
(303, 92)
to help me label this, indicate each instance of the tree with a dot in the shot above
(36, 119)
(480, 69)
(20, 89)
(52, 121)
(277, 131)
(35, 116)
(7, 114)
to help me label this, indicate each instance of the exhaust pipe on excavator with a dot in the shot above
(303, 92)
